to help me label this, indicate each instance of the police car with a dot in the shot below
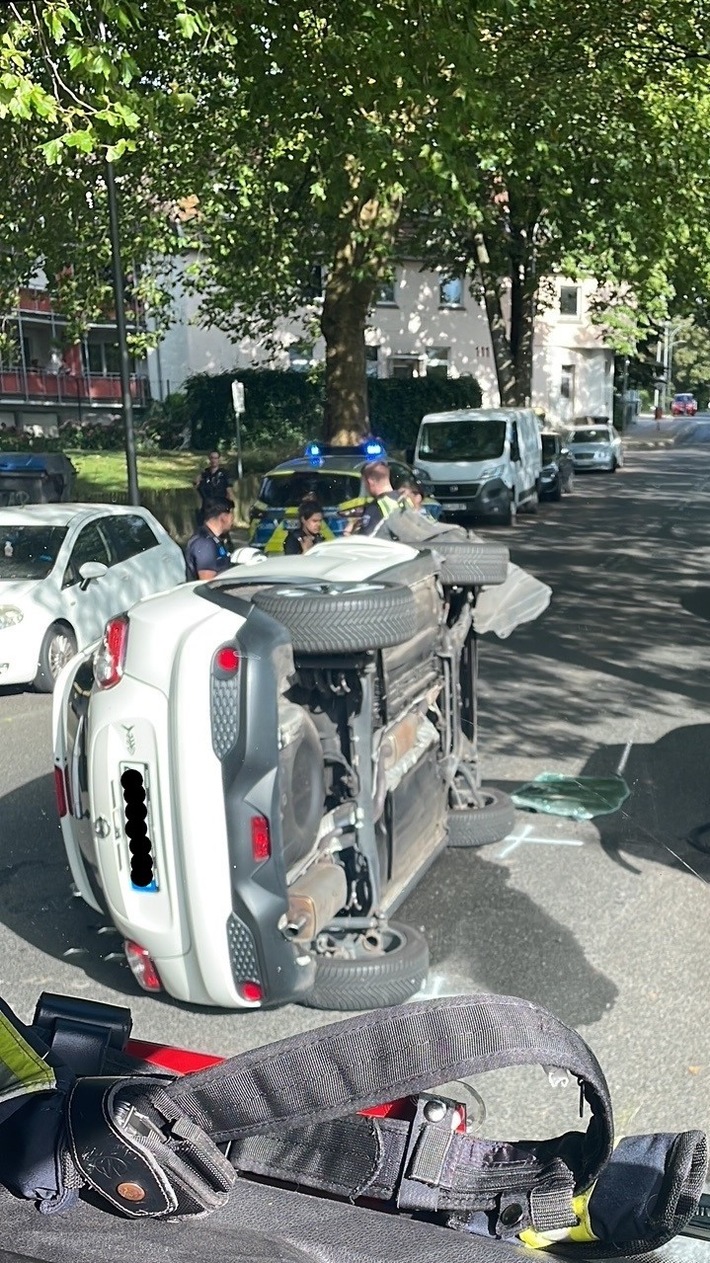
(333, 475)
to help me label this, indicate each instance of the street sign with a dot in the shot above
(238, 402)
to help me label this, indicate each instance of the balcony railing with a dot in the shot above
(40, 386)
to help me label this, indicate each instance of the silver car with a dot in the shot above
(596, 447)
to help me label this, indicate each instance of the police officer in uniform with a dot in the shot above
(213, 484)
(206, 554)
(384, 499)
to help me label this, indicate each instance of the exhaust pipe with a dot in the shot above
(314, 900)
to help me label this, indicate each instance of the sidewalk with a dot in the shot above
(643, 432)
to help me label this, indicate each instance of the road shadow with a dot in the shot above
(669, 805)
(495, 938)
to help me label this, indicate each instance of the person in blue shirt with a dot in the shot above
(206, 554)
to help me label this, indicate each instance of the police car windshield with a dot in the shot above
(29, 552)
(462, 440)
(286, 491)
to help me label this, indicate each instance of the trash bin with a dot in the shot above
(35, 478)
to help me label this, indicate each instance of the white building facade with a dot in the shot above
(422, 323)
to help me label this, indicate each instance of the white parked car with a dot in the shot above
(65, 569)
(597, 446)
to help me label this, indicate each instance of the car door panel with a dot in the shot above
(87, 607)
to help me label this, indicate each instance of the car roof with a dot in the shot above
(62, 514)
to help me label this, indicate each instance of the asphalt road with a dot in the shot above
(604, 922)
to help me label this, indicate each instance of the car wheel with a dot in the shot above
(466, 563)
(368, 969)
(341, 617)
(511, 513)
(556, 493)
(470, 827)
(614, 466)
(58, 646)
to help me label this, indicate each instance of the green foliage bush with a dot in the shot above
(286, 408)
(397, 405)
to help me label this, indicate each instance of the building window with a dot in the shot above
(300, 356)
(371, 360)
(569, 300)
(385, 294)
(451, 292)
(406, 366)
(567, 382)
(103, 359)
(437, 361)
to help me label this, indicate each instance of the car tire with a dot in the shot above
(614, 466)
(470, 827)
(556, 494)
(510, 515)
(341, 617)
(372, 980)
(58, 646)
(467, 564)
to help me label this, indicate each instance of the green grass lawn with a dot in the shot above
(103, 473)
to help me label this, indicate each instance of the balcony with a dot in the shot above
(38, 386)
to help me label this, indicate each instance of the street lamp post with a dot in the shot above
(124, 358)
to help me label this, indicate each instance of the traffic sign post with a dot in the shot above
(238, 402)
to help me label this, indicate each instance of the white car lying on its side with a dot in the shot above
(253, 773)
(65, 569)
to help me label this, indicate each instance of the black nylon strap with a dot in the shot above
(347, 1066)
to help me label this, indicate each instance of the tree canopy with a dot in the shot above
(514, 141)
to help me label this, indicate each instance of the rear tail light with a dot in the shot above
(109, 660)
(253, 992)
(260, 839)
(142, 966)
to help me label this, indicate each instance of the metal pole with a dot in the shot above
(126, 397)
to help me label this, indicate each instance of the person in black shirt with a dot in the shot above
(213, 484)
(206, 554)
(383, 498)
(308, 533)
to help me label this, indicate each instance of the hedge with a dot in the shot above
(284, 407)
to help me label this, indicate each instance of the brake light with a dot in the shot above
(60, 793)
(142, 966)
(260, 839)
(226, 660)
(251, 991)
(110, 659)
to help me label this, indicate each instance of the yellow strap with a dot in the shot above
(22, 1070)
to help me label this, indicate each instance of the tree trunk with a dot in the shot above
(522, 305)
(502, 357)
(346, 303)
(360, 263)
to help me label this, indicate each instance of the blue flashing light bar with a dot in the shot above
(374, 449)
(370, 448)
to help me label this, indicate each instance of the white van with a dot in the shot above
(485, 462)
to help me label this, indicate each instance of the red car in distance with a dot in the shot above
(684, 406)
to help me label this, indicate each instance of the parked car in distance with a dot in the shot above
(684, 405)
(596, 447)
(254, 772)
(333, 475)
(557, 467)
(65, 569)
